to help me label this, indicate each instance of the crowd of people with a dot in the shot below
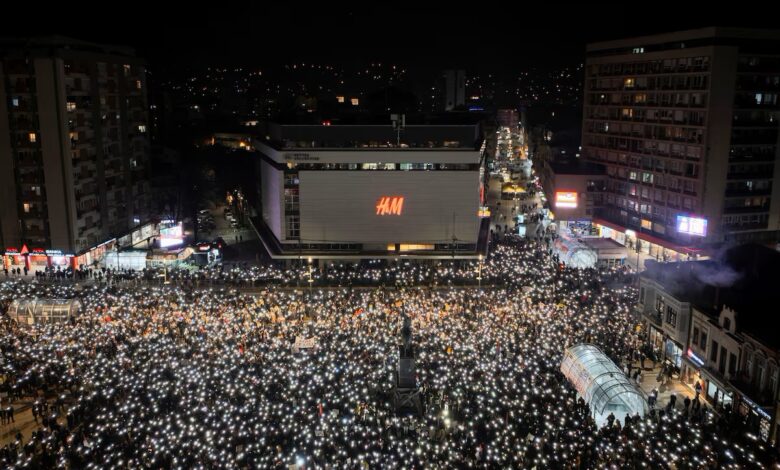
(198, 374)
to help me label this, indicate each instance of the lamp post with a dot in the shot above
(479, 275)
(311, 280)
(638, 251)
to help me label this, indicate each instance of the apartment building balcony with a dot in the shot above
(746, 209)
(749, 175)
(34, 232)
(32, 196)
(32, 178)
(731, 193)
(81, 91)
(81, 213)
(36, 214)
(89, 190)
(752, 157)
(94, 226)
(654, 317)
(745, 226)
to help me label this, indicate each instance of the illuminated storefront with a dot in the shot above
(756, 417)
(713, 387)
(36, 259)
(650, 245)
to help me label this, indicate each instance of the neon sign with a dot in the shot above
(696, 359)
(566, 199)
(389, 205)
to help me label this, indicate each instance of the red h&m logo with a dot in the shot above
(390, 205)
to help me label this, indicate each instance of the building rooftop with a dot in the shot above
(687, 38)
(600, 243)
(425, 136)
(44, 43)
(744, 278)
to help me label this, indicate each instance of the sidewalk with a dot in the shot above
(649, 381)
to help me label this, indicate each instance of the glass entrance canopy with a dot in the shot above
(42, 311)
(602, 384)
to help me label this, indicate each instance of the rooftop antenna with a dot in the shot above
(399, 123)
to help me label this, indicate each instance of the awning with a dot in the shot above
(652, 239)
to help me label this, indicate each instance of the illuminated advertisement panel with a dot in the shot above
(692, 225)
(382, 207)
(566, 199)
(171, 236)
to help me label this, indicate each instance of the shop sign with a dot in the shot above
(756, 408)
(390, 205)
(694, 358)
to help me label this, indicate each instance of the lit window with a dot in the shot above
(33, 138)
(71, 106)
(415, 247)
(26, 206)
(15, 102)
(646, 224)
(355, 101)
(127, 69)
(340, 99)
(628, 83)
(138, 84)
(142, 128)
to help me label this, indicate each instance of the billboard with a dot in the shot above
(386, 207)
(566, 199)
(692, 225)
(171, 236)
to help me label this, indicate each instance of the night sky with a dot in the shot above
(484, 37)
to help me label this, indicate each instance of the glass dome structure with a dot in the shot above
(42, 311)
(602, 384)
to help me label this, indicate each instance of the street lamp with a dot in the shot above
(311, 281)
(638, 250)
(479, 275)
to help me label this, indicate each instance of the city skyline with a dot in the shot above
(425, 38)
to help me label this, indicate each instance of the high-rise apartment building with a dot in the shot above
(455, 89)
(74, 146)
(686, 124)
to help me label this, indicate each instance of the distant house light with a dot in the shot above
(340, 99)
(355, 101)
